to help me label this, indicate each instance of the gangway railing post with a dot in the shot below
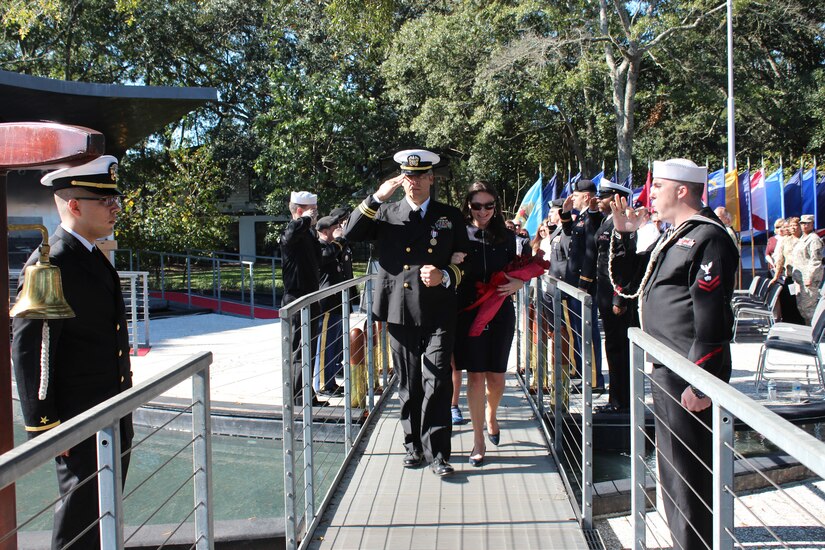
(189, 280)
(133, 307)
(587, 412)
(145, 277)
(306, 367)
(558, 380)
(252, 290)
(369, 351)
(722, 478)
(162, 277)
(385, 354)
(274, 293)
(345, 359)
(287, 414)
(638, 495)
(110, 496)
(527, 340)
(541, 348)
(202, 460)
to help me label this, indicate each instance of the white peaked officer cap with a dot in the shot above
(607, 186)
(416, 161)
(304, 198)
(680, 170)
(98, 176)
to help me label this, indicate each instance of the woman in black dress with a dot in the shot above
(485, 357)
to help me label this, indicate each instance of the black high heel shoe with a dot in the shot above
(494, 438)
(476, 462)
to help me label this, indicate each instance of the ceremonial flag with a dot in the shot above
(597, 179)
(773, 194)
(565, 192)
(644, 195)
(628, 181)
(548, 195)
(759, 204)
(820, 202)
(716, 189)
(808, 186)
(792, 196)
(732, 198)
(745, 210)
(529, 213)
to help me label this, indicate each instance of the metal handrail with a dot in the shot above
(806, 448)
(303, 301)
(533, 293)
(26, 457)
(727, 404)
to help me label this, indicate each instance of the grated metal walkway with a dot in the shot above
(516, 500)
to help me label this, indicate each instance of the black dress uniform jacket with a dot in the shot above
(88, 363)
(581, 261)
(88, 354)
(421, 319)
(404, 245)
(332, 271)
(301, 259)
(686, 304)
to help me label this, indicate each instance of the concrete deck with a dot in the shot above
(515, 500)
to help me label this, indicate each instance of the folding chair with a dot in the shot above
(797, 339)
(758, 311)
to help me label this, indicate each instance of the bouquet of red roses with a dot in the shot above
(489, 300)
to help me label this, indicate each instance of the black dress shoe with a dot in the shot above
(412, 459)
(598, 390)
(441, 467)
(337, 391)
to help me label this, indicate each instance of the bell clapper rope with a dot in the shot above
(44, 362)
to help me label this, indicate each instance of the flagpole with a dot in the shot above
(750, 221)
(731, 128)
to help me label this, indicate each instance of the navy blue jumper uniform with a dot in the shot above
(686, 305)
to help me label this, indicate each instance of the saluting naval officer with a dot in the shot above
(87, 357)
(301, 259)
(415, 295)
(617, 313)
(580, 270)
(685, 285)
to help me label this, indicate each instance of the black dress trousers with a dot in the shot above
(425, 386)
(685, 457)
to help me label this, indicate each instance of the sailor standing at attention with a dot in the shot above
(416, 295)
(685, 285)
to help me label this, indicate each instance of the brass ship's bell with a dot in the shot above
(42, 294)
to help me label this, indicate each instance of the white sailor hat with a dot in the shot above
(304, 198)
(607, 187)
(680, 170)
(416, 161)
(98, 176)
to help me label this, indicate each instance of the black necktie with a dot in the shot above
(416, 216)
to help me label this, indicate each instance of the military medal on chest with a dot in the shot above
(434, 234)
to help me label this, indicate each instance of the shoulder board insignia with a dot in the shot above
(685, 242)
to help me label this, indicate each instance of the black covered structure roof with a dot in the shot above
(124, 114)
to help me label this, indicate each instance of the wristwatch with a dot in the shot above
(697, 393)
(445, 278)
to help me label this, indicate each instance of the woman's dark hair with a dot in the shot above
(496, 229)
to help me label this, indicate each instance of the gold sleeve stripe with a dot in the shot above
(42, 428)
(367, 211)
(583, 278)
(456, 273)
